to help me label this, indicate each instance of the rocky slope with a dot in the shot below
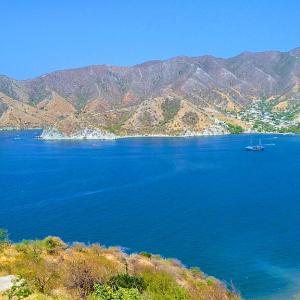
(181, 95)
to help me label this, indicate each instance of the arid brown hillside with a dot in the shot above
(110, 97)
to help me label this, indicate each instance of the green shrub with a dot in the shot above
(126, 281)
(211, 280)
(146, 254)
(53, 244)
(105, 292)
(19, 290)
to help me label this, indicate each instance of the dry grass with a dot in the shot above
(54, 270)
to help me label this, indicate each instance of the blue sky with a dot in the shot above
(42, 36)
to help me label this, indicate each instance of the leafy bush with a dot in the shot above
(126, 281)
(211, 280)
(105, 292)
(146, 254)
(19, 290)
(54, 244)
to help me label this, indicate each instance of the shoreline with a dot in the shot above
(112, 136)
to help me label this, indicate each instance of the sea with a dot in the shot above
(203, 200)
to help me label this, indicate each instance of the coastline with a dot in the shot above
(101, 134)
(117, 137)
(87, 134)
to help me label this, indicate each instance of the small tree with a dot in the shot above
(84, 269)
(81, 275)
(39, 272)
(54, 244)
(19, 290)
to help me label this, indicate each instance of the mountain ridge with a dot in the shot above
(224, 85)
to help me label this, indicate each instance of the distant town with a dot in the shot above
(265, 117)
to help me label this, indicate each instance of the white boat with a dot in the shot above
(258, 147)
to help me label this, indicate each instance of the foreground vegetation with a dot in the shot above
(50, 269)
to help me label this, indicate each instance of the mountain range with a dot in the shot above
(181, 95)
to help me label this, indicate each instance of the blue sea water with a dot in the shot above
(204, 200)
